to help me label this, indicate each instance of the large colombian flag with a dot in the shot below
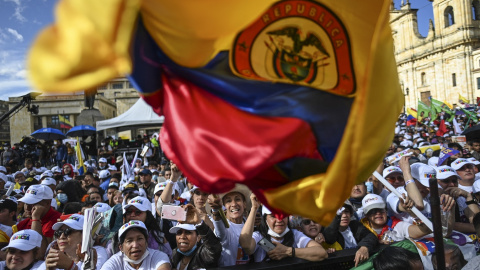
(296, 99)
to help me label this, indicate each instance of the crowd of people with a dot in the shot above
(156, 219)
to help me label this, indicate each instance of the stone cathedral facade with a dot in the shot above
(446, 62)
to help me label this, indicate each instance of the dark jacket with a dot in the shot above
(207, 253)
(362, 235)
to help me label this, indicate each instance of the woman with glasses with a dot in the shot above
(197, 245)
(288, 242)
(64, 253)
(199, 200)
(22, 251)
(134, 252)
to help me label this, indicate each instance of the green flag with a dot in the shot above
(471, 115)
(439, 107)
(423, 111)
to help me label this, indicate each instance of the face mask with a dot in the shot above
(188, 253)
(274, 234)
(369, 187)
(62, 197)
(125, 258)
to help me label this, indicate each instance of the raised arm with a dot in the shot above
(410, 186)
(246, 240)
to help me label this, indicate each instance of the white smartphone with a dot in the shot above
(266, 245)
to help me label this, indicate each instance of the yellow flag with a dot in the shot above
(463, 100)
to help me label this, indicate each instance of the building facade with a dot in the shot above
(446, 62)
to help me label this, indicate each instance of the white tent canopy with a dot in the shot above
(140, 114)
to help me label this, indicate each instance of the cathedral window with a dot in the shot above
(423, 78)
(449, 18)
(478, 83)
(454, 79)
(476, 10)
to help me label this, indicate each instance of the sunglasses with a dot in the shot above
(306, 222)
(199, 193)
(66, 232)
(448, 181)
(377, 210)
(137, 212)
(392, 179)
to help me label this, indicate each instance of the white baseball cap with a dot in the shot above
(474, 161)
(372, 201)
(25, 240)
(102, 160)
(459, 163)
(392, 169)
(425, 173)
(56, 169)
(159, 186)
(433, 161)
(180, 226)
(3, 169)
(104, 174)
(102, 207)
(74, 221)
(48, 181)
(141, 203)
(443, 172)
(46, 174)
(17, 173)
(37, 193)
(3, 177)
(476, 186)
(112, 167)
(131, 224)
(414, 169)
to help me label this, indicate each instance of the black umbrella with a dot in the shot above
(472, 133)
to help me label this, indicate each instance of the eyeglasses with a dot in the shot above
(306, 222)
(392, 179)
(66, 232)
(448, 181)
(199, 193)
(137, 212)
(377, 210)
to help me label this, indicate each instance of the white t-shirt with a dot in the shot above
(468, 189)
(34, 267)
(350, 241)
(153, 261)
(232, 252)
(102, 257)
(400, 231)
(393, 202)
(300, 241)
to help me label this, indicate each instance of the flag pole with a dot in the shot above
(437, 223)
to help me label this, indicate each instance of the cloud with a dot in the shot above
(19, 7)
(14, 88)
(15, 34)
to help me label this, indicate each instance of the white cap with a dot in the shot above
(37, 193)
(17, 173)
(3, 177)
(425, 173)
(459, 163)
(104, 174)
(56, 169)
(74, 221)
(266, 211)
(180, 226)
(159, 186)
(46, 174)
(372, 201)
(444, 172)
(112, 167)
(141, 203)
(48, 181)
(414, 169)
(476, 186)
(102, 160)
(3, 169)
(102, 207)
(474, 161)
(131, 224)
(433, 161)
(25, 240)
(389, 170)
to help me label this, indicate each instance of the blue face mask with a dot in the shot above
(188, 253)
(369, 187)
(62, 197)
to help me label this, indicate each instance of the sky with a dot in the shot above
(21, 20)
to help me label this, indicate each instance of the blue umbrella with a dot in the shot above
(83, 130)
(48, 134)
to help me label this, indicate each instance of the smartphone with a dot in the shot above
(174, 212)
(266, 245)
